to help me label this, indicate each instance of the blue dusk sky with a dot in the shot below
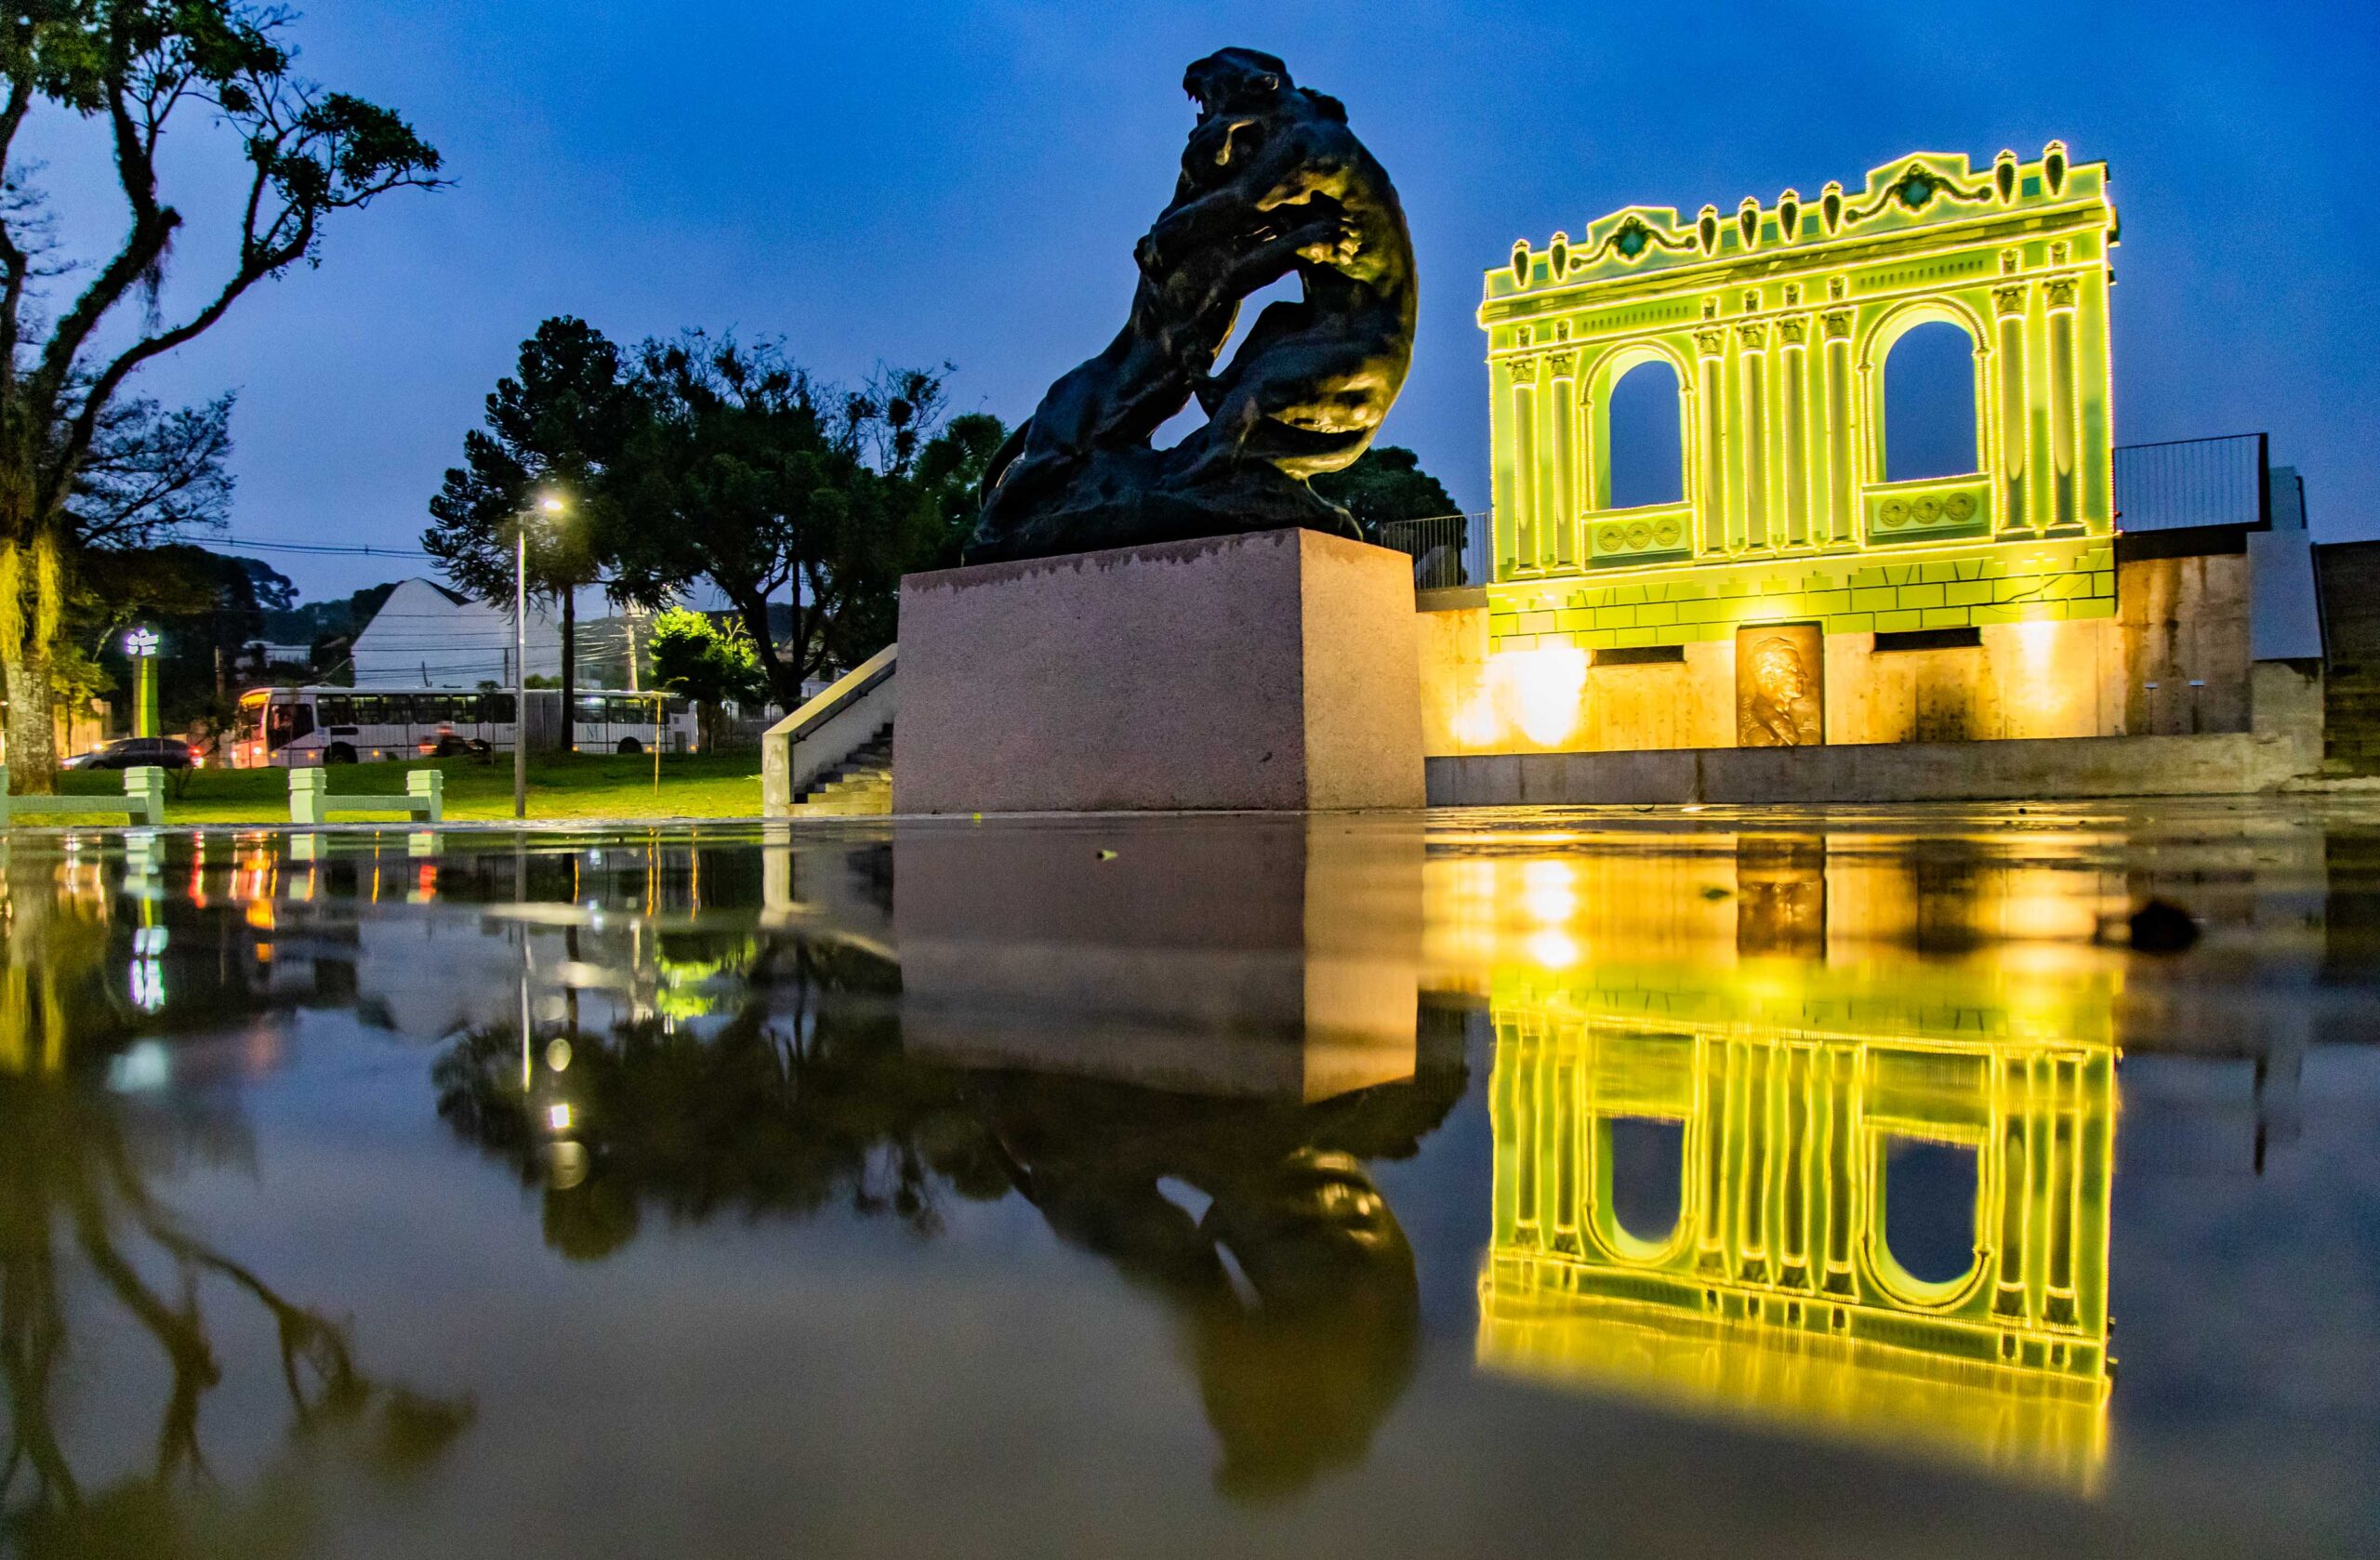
(913, 183)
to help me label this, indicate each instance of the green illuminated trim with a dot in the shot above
(1778, 322)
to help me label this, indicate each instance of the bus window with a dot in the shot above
(589, 711)
(500, 708)
(469, 709)
(430, 709)
(630, 712)
(679, 707)
(302, 717)
(276, 727)
(336, 709)
(397, 710)
(244, 724)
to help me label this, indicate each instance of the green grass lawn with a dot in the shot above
(560, 786)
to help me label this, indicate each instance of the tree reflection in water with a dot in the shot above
(1293, 1287)
(77, 1162)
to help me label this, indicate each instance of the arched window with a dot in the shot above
(1644, 463)
(1648, 1169)
(1929, 1192)
(1929, 426)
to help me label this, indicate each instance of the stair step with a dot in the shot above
(860, 784)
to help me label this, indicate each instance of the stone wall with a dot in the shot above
(2214, 765)
(2184, 621)
(2177, 621)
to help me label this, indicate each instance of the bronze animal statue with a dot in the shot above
(1271, 182)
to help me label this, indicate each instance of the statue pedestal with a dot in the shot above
(1273, 671)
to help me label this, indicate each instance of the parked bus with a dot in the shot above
(303, 727)
(625, 723)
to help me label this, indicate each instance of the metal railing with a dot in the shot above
(2185, 483)
(1447, 551)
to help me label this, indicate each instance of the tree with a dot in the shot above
(944, 500)
(949, 479)
(135, 68)
(749, 476)
(328, 628)
(206, 607)
(1385, 484)
(556, 430)
(707, 661)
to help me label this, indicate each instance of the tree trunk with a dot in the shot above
(785, 681)
(33, 737)
(569, 667)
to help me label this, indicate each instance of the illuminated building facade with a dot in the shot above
(1778, 322)
(1795, 590)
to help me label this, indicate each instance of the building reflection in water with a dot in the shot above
(1812, 1127)
(1863, 1195)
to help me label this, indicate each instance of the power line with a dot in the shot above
(254, 544)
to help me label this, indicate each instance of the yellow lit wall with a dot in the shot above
(2183, 621)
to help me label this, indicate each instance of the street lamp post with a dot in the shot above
(142, 644)
(549, 504)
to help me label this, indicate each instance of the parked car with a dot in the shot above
(133, 752)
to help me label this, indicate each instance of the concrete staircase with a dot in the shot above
(2351, 719)
(857, 786)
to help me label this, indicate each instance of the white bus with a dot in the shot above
(615, 722)
(303, 727)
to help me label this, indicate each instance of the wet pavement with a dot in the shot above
(1597, 1181)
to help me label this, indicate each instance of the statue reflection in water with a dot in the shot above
(1254, 1219)
(1294, 1286)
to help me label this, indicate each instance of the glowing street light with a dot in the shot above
(550, 506)
(142, 644)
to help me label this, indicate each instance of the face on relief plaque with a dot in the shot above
(1780, 689)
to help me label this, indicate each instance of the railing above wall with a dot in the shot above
(2185, 483)
(1447, 551)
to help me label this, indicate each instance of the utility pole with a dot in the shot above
(550, 505)
(520, 710)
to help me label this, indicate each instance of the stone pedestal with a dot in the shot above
(1274, 958)
(1276, 670)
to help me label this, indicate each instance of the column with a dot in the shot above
(1840, 523)
(2008, 423)
(1752, 443)
(1796, 379)
(2064, 432)
(1707, 1144)
(2013, 1185)
(1525, 463)
(1559, 516)
(1711, 391)
(1839, 1151)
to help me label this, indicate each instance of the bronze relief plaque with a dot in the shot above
(1781, 686)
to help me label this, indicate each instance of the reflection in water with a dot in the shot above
(1886, 1199)
(1294, 1286)
(1807, 1126)
(1181, 1056)
(82, 1226)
